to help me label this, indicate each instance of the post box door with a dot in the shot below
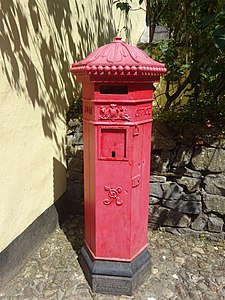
(113, 144)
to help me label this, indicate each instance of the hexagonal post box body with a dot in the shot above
(117, 96)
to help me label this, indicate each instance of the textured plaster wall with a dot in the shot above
(39, 39)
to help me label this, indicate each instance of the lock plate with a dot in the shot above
(136, 180)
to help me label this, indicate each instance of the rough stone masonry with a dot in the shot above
(187, 184)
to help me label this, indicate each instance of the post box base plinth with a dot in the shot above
(115, 277)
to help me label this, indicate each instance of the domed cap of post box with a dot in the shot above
(120, 61)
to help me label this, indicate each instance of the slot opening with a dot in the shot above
(114, 89)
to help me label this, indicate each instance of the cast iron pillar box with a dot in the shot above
(117, 99)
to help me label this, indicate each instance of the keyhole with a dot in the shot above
(113, 154)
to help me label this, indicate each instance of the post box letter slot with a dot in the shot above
(113, 144)
(113, 89)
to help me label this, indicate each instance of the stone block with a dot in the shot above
(79, 154)
(184, 171)
(75, 137)
(200, 222)
(155, 161)
(215, 184)
(187, 204)
(160, 162)
(178, 170)
(211, 236)
(156, 190)
(192, 173)
(153, 226)
(153, 200)
(153, 214)
(157, 178)
(76, 165)
(214, 203)
(172, 230)
(220, 143)
(214, 236)
(167, 190)
(189, 232)
(191, 184)
(75, 176)
(215, 224)
(75, 190)
(167, 217)
(192, 197)
(173, 197)
(211, 159)
(70, 150)
(171, 190)
(192, 208)
(74, 123)
(183, 156)
(74, 151)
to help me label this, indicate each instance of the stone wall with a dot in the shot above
(187, 185)
(75, 170)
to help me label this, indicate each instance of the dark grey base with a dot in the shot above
(15, 256)
(115, 277)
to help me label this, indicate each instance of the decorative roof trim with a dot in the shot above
(120, 59)
(118, 70)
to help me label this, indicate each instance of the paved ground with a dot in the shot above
(183, 268)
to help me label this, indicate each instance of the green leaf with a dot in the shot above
(186, 66)
(123, 6)
(164, 47)
(220, 43)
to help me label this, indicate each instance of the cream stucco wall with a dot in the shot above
(39, 39)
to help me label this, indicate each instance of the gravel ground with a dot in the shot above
(182, 268)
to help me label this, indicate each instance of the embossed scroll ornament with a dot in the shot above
(113, 195)
(114, 112)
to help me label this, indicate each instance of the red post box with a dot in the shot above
(117, 99)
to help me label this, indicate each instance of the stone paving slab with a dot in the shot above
(182, 268)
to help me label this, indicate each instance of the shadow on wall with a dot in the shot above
(59, 178)
(71, 222)
(37, 42)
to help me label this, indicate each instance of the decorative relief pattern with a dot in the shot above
(88, 109)
(114, 112)
(143, 111)
(113, 195)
